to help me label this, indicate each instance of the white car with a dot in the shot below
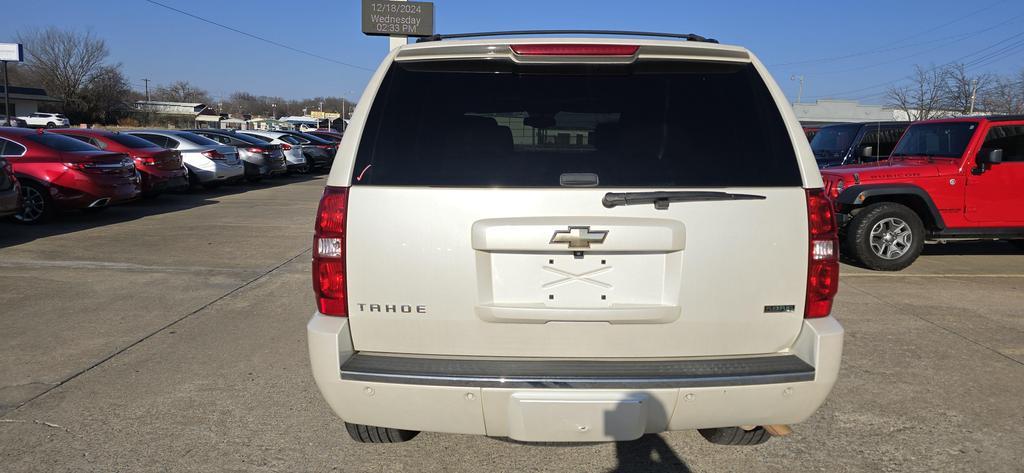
(48, 120)
(291, 146)
(574, 240)
(209, 163)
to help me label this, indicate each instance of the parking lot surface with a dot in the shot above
(169, 335)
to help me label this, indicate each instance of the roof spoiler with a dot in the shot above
(686, 36)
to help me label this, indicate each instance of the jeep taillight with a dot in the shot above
(823, 255)
(329, 283)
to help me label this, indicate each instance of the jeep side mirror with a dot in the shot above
(867, 152)
(987, 157)
(990, 156)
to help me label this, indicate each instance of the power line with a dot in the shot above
(260, 38)
(889, 48)
(961, 58)
(903, 58)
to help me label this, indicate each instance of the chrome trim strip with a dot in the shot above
(563, 374)
(578, 383)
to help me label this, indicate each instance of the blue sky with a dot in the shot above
(850, 49)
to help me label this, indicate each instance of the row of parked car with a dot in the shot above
(46, 171)
(897, 185)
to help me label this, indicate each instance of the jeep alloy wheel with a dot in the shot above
(891, 238)
(884, 236)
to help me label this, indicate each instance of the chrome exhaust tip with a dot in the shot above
(100, 203)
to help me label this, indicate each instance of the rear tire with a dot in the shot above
(885, 236)
(1018, 243)
(254, 179)
(51, 125)
(37, 207)
(373, 434)
(735, 436)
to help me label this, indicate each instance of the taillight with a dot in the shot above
(255, 150)
(329, 283)
(286, 146)
(213, 154)
(823, 255)
(574, 49)
(147, 160)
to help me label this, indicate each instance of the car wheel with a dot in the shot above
(373, 434)
(36, 204)
(211, 185)
(1018, 243)
(51, 125)
(735, 435)
(254, 179)
(885, 236)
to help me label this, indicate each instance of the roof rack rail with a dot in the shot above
(687, 36)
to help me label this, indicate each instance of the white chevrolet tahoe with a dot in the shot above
(574, 239)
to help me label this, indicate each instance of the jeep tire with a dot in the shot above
(373, 434)
(885, 236)
(735, 435)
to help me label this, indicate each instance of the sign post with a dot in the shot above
(398, 19)
(9, 52)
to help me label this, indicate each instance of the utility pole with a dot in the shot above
(800, 91)
(147, 88)
(7, 96)
(974, 94)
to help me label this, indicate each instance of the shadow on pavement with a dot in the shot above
(649, 453)
(12, 233)
(973, 248)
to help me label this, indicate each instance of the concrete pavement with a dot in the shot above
(169, 335)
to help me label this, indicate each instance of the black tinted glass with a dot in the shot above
(133, 142)
(60, 142)
(1009, 138)
(834, 140)
(258, 138)
(648, 124)
(947, 139)
(197, 139)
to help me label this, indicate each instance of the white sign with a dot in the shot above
(11, 52)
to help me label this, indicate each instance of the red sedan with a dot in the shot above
(57, 172)
(160, 168)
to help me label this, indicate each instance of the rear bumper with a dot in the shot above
(220, 172)
(572, 400)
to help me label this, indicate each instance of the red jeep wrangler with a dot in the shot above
(952, 179)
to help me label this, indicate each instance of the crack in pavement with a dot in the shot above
(160, 329)
(935, 324)
(119, 266)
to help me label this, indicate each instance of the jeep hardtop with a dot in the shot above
(555, 239)
(949, 179)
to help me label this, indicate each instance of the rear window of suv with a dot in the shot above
(647, 124)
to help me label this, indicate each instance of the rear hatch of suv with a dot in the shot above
(503, 207)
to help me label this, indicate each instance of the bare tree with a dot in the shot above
(962, 89)
(923, 97)
(62, 61)
(1005, 95)
(181, 91)
(107, 96)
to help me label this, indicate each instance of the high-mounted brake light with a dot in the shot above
(329, 281)
(823, 255)
(575, 49)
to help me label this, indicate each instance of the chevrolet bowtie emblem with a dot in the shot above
(579, 237)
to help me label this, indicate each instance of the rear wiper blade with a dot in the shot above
(661, 199)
